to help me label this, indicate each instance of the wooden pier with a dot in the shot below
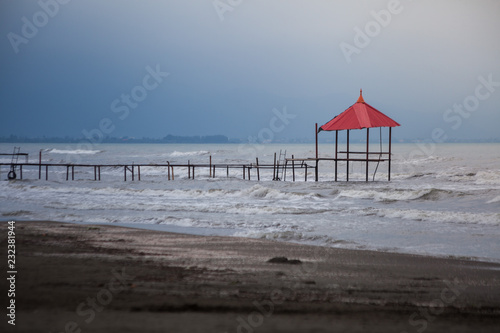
(132, 172)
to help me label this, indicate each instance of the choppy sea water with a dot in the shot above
(442, 199)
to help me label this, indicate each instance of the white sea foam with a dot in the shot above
(74, 152)
(494, 200)
(437, 216)
(189, 153)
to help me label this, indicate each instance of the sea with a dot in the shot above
(442, 200)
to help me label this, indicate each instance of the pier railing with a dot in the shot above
(133, 171)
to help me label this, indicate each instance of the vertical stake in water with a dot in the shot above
(40, 165)
(257, 165)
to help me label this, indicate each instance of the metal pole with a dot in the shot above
(293, 168)
(367, 150)
(347, 162)
(316, 135)
(336, 151)
(390, 139)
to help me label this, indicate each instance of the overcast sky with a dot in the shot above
(245, 68)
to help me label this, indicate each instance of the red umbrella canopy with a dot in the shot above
(359, 115)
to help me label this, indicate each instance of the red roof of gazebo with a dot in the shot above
(359, 115)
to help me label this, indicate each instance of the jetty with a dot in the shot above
(132, 172)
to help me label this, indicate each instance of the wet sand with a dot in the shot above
(89, 278)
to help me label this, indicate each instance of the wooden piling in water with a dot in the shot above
(40, 165)
(257, 166)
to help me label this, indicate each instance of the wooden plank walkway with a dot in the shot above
(133, 171)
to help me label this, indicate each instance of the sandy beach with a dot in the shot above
(95, 278)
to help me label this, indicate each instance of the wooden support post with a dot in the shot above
(257, 165)
(367, 150)
(72, 172)
(172, 172)
(46, 172)
(316, 135)
(305, 176)
(316, 172)
(193, 171)
(67, 172)
(95, 172)
(336, 152)
(210, 166)
(189, 171)
(390, 139)
(99, 172)
(139, 172)
(347, 162)
(40, 165)
(227, 171)
(249, 172)
(293, 168)
(133, 173)
(243, 172)
(168, 170)
(20, 171)
(274, 168)
(125, 173)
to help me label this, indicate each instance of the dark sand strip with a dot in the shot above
(74, 277)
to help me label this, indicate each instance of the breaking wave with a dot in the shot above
(74, 152)
(189, 153)
(388, 195)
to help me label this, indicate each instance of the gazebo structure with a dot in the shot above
(358, 116)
